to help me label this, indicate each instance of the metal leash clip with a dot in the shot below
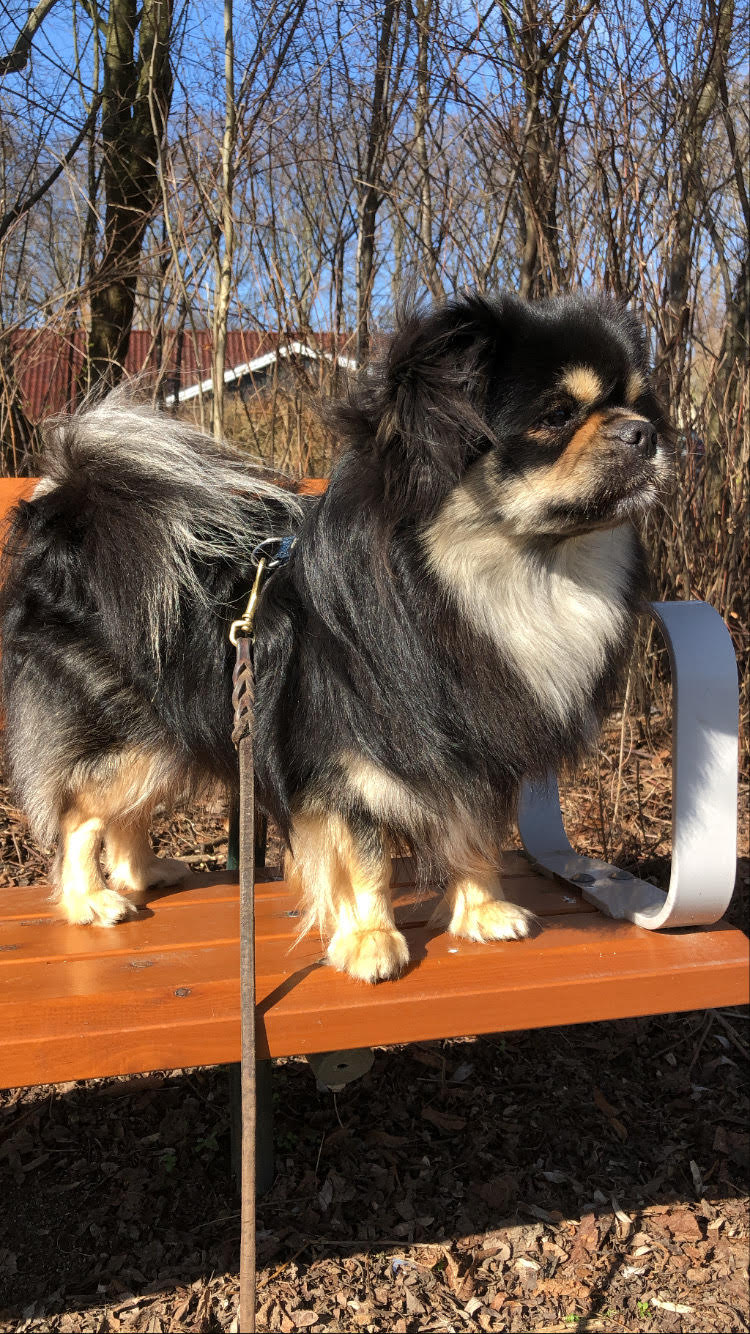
(244, 626)
(267, 556)
(274, 550)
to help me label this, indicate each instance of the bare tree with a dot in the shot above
(137, 79)
(380, 114)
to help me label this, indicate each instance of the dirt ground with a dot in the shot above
(593, 1176)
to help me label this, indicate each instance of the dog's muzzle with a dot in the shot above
(637, 434)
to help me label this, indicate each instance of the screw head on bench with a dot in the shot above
(583, 878)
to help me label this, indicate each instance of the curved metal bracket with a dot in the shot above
(704, 789)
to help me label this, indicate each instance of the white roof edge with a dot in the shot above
(294, 348)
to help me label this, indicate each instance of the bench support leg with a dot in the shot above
(264, 1156)
(704, 790)
(334, 1069)
(261, 837)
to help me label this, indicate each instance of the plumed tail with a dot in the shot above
(121, 577)
(147, 507)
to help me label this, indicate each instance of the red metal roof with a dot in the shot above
(45, 362)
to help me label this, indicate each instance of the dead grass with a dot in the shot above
(282, 427)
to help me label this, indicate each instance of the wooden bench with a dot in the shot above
(162, 991)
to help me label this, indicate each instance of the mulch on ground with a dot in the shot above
(591, 1177)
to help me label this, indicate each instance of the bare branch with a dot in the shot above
(15, 60)
(24, 205)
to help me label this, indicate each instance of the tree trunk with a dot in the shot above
(425, 11)
(371, 185)
(705, 97)
(225, 256)
(135, 103)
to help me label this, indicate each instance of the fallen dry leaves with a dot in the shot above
(592, 1177)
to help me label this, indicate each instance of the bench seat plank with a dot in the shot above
(162, 990)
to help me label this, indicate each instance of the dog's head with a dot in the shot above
(552, 397)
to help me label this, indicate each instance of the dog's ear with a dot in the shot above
(418, 410)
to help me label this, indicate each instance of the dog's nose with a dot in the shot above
(637, 434)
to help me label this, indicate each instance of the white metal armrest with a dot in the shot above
(704, 789)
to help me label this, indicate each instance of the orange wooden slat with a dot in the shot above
(311, 486)
(205, 912)
(13, 489)
(202, 888)
(186, 1011)
(162, 991)
(208, 911)
(541, 895)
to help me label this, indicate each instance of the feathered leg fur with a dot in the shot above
(343, 872)
(133, 865)
(475, 907)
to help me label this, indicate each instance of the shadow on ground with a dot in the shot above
(561, 1176)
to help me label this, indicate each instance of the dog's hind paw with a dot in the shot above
(103, 907)
(166, 871)
(494, 920)
(371, 956)
(158, 871)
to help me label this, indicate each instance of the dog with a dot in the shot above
(454, 616)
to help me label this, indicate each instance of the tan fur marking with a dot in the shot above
(636, 386)
(474, 906)
(582, 383)
(584, 442)
(115, 805)
(82, 891)
(133, 780)
(133, 866)
(453, 831)
(386, 797)
(346, 898)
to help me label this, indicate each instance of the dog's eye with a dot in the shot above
(557, 417)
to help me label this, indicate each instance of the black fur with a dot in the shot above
(359, 648)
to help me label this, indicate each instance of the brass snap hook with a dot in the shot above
(244, 626)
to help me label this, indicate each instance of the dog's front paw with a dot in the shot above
(494, 920)
(371, 956)
(103, 907)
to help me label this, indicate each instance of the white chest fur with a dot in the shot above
(555, 614)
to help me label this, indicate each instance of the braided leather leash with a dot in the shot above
(243, 697)
(268, 554)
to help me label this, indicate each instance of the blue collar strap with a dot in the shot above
(275, 550)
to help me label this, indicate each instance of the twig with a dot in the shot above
(739, 1044)
(621, 755)
(264, 1282)
(605, 841)
(708, 1025)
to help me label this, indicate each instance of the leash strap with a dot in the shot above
(267, 556)
(243, 698)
